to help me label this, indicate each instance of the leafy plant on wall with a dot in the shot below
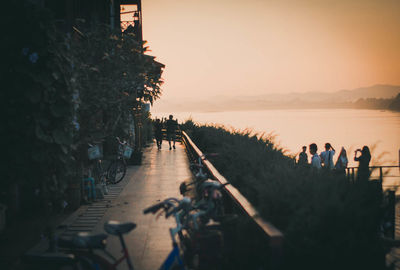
(60, 91)
(37, 107)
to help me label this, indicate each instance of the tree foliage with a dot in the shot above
(111, 74)
(61, 90)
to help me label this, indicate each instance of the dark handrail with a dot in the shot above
(376, 167)
(274, 236)
(351, 171)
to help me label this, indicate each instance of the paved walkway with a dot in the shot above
(156, 179)
(394, 256)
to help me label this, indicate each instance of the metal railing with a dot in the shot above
(268, 231)
(351, 172)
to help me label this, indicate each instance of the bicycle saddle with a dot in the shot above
(83, 240)
(116, 228)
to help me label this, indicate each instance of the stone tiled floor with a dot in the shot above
(156, 179)
(394, 256)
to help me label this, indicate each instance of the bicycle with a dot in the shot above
(88, 251)
(117, 168)
(84, 251)
(172, 206)
(201, 244)
(96, 171)
(198, 170)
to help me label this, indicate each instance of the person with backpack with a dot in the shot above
(171, 126)
(327, 156)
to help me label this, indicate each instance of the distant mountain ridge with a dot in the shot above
(337, 99)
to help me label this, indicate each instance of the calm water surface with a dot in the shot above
(352, 129)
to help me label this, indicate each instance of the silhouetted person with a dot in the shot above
(327, 156)
(342, 161)
(303, 158)
(363, 165)
(171, 126)
(315, 159)
(158, 125)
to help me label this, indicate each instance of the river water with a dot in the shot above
(352, 129)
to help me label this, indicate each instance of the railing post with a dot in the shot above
(380, 174)
(352, 175)
(391, 214)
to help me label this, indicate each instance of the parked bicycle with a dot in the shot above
(96, 174)
(117, 168)
(200, 242)
(83, 251)
(199, 171)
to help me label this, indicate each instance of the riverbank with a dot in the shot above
(328, 222)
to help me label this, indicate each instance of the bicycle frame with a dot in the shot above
(173, 256)
(97, 260)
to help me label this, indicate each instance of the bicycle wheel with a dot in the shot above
(116, 171)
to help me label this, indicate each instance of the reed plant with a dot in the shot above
(328, 222)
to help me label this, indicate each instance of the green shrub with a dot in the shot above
(328, 222)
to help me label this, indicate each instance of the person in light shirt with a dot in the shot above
(315, 158)
(327, 156)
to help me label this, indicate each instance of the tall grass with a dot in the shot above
(328, 222)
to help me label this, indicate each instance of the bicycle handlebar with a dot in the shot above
(184, 204)
(166, 204)
(154, 208)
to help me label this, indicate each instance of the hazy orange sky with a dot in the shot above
(251, 47)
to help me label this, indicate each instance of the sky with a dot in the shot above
(230, 47)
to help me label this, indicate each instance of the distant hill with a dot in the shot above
(374, 97)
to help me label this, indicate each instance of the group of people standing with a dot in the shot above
(326, 159)
(170, 126)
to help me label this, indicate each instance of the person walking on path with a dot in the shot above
(303, 158)
(363, 165)
(158, 125)
(171, 126)
(342, 162)
(315, 158)
(327, 156)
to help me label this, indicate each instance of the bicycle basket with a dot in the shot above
(127, 151)
(94, 152)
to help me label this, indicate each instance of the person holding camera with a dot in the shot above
(327, 156)
(363, 165)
